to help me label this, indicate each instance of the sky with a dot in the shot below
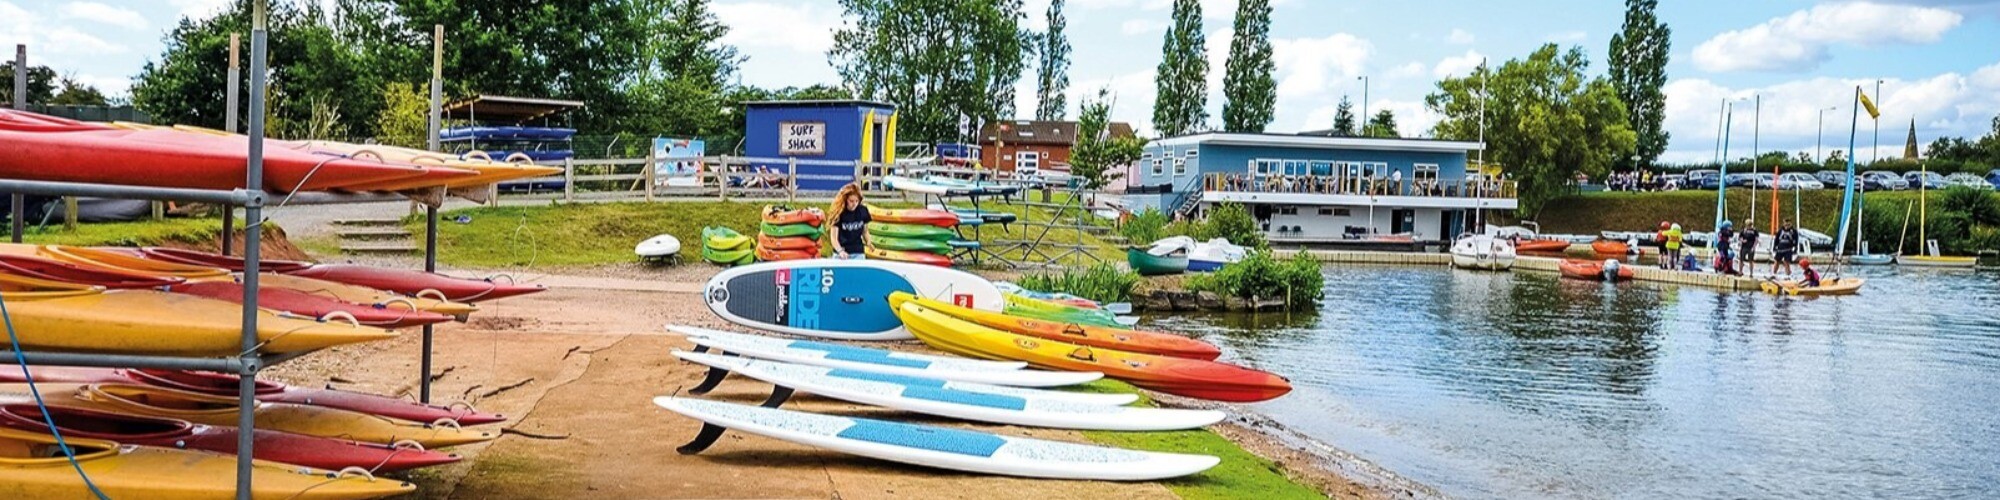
(1938, 60)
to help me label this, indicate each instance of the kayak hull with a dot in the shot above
(1156, 343)
(223, 384)
(128, 471)
(295, 449)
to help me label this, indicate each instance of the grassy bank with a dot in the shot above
(1240, 475)
(140, 233)
(593, 234)
(1590, 213)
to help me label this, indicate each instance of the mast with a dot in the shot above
(1847, 198)
(1722, 174)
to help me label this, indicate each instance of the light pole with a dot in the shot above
(1875, 155)
(1364, 104)
(1819, 138)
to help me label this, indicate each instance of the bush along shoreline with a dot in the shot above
(1264, 281)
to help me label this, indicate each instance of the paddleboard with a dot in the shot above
(1028, 410)
(834, 356)
(759, 341)
(838, 299)
(658, 247)
(938, 447)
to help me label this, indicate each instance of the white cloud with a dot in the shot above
(1799, 41)
(1210, 9)
(199, 9)
(801, 28)
(45, 37)
(1948, 104)
(93, 11)
(1569, 36)
(1142, 26)
(1309, 66)
(1458, 65)
(1412, 69)
(1460, 37)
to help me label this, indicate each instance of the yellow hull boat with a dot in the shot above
(1834, 286)
(33, 467)
(68, 317)
(222, 410)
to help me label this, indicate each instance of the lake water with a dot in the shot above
(1521, 385)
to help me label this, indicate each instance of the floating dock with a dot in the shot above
(1537, 263)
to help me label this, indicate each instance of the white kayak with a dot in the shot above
(961, 404)
(790, 371)
(658, 247)
(763, 342)
(939, 447)
(817, 354)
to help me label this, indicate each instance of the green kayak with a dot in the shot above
(789, 230)
(911, 244)
(911, 231)
(1147, 264)
(1062, 313)
(735, 257)
(722, 238)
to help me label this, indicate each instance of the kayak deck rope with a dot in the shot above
(29, 375)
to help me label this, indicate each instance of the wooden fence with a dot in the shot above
(720, 177)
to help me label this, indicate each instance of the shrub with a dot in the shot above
(1099, 282)
(1146, 227)
(1263, 275)
(1231, 221)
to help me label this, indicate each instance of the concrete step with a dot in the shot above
(379, 248)
(372, 233)
(369, 222)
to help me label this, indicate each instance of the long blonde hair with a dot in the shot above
(851, 190)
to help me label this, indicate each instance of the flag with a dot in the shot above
(1869, 105)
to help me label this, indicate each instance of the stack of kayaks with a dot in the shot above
(789, 234)
(726, 247)
(36, 467)
(922, 244)
(431, 297)
(1048, 310)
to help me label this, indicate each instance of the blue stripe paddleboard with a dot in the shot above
(894, 363)
(838, 299)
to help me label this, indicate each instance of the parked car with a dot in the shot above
(1832, 178)
(1962, 179)
(1926, 180)
(1993, 178)
(1672, 182)
(1741, 180)
(1883, 180)
(1804, 181)
(1703, 179)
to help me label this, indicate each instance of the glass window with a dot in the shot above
(1156, 167)
(1180, 167)
(1322, 168)
(1031, 161)
(1266, 167)
(1295, 167)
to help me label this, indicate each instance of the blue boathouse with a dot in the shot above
(827, 138)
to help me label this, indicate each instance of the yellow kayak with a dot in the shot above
(33, 467)
(57, 316)
(1833, 286)
(117, 261)
(221, 410)
(489, 171)
(122, 260)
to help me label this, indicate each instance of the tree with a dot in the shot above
(940, 61)
(1096, 151)
(730, 139)
(1836, 160)
(1247, 83)
(1639, 70)
(682, 90)
(1181, 105)
(1343, 119)
(405, 116)
(75, 93)
(308, 63)
(41, 83)
(1550, 121)
(1382, 125)
(1052, 76)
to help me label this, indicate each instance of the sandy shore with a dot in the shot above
(576, 369)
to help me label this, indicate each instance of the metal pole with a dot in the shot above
(253, 213)
(228, 226)
(1756, 131)
(1364, 113)
(1876, 154)
(235, 73)
(18, 203)
(1819, 138)
(431, 212)
(1722, 175)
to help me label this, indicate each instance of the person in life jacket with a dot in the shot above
(1811, 275)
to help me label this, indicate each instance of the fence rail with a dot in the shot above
(722, 177)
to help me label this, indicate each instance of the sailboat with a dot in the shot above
(1860, 228)
(1931, 257)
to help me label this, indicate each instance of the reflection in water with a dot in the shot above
(1524, 385)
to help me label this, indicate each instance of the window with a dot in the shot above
(1325, 211)
(1295, 167)
(1341, 212)
(1288, 210)
(1030, 162)
(1156, 166)
(1180, 165)
(1264, 167)
(1321, 168)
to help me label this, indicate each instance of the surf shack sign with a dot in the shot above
(802, 138)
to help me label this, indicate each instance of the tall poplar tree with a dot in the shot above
(1639, 71)
(1181, 105)
(1247, 82)
(1053, 74)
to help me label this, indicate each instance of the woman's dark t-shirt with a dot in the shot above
(851, 224)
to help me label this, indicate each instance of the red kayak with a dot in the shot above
(1590, 270)
(1542, 246)
(176, 159)
(295, 449)
(22, 121)
(37, 267)
(809, 216)
(921, 216)
(306, 304)
(777, 255)
(417, 283)
(787, 242)
(267, 391)
(198, 258)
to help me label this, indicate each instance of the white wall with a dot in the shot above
(1314, 225)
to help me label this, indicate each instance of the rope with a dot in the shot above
(22, 360)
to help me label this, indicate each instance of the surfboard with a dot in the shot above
(658, 247)
(937, 447)
(743, 339)
(838, 299)
(837, 356)
(1029, 409)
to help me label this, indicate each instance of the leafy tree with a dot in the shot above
(1836, 160)
(731, 138)
(939, 60)
(1550, 120)
(405, 116)
(1247, 79)
(41, 83)
(1181, 105)
(1639, 70)
(1233, 222)
(1096, 151)
(683, 91)
(1343, 119)
(1382, 125)
(75, 93)
(1052, 76)
(307, 62)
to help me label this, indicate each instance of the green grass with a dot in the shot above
(1695, 210)
(1240, 475)
(140, 233)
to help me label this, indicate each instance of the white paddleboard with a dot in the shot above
(941, 447)
(838, 299)
(1027, 409)
(770, 343)
(656, 247)
(864, 361)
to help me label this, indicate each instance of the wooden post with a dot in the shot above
(235, 73)
(792, 180)
(69, 213)
(159, 210)
(722, 179)
(437, 99)
(651, 174)
(569, 179)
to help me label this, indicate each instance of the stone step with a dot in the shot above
(369, 222)
(378, 248)
(372, 234)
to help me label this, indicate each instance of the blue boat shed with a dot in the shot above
(827, 138)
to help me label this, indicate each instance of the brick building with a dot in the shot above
(1029, 145)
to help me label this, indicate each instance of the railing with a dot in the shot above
(722, 177)
(1357, 185)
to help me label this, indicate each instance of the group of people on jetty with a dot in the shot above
(1729, 245)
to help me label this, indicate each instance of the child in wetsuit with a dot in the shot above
(1811, 275)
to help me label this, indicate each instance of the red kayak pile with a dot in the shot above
(405, 282)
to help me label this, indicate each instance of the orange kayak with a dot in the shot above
(810, 216)
(1608, 247)
(1542, 246)
(919, 216)
(774, 255)
(1163, 344)
(1590, 270)
(786, 242)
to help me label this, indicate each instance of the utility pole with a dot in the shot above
(1875, 155)
(1819, 138)
(1364, 105)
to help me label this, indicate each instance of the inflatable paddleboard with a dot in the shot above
(838, 299)
(726, 363)
(658, 247)
(836, 356)
(938, 447)
(955, 403)
(762, 342)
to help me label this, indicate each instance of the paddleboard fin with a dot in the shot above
(714, 378)
(709, 433)
(779, 394)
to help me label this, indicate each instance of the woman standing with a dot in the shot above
(850, 223)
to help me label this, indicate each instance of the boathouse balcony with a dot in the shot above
(1359, 190)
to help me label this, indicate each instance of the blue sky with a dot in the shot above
(1940, 59)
